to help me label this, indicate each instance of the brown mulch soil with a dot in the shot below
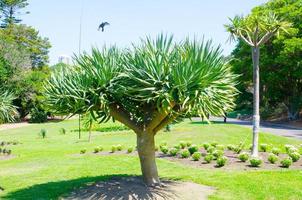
(131, 188)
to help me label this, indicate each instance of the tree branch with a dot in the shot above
(123, 116)
(245, 39)
(266, 37)
(167, 120)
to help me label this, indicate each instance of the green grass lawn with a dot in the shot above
(49, 168)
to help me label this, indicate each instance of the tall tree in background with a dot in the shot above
(10, 10)
(255, 30)
(146, 88)
(281, 68)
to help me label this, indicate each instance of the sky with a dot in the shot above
(131, 20)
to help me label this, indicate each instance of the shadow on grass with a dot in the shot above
(206, 123)
(55, 190)
(109, 187)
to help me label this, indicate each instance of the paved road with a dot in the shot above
(278, 129)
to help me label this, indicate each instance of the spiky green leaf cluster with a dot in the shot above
(185, 78)
(8, 112)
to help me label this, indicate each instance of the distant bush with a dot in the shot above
(295, 156)
(217, 154)
(220, 147)
(164, 149)
(211, 149)
(290, 148)
(37, 115)
(185, 153)
(221, 161)
(286, 163)
(62, 131)
(189, 143)
(119, 147)
(83, 151)
(214, 144)
(177, 146)
(230, 147)
(264, 147)
(206, 145)
(196, 156)
(244, 156)
(272, 158)
(130, 149)
(98, 149)
(276, 151)
(43, 133)
(113, 149)
(193, 148)
(208, 158)
(255, 162)
(173, 151)
(182, 144)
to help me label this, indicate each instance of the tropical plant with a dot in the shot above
(255, 30)
(8, 112)
(255, 162)
(208, 158)
(196, 156)
(146, 88)
(173, 151)
(185, 153)
(244, 156)
(272, 158)
(221, 161)
(276, 151)
(286, 163)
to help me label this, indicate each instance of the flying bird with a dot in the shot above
(102, 26)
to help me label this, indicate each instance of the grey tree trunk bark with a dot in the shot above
(256, 102)
(146, 152)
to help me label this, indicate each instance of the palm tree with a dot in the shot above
(8, 111)
(256, 30)
(146, 87)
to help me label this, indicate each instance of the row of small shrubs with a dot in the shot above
(114, 148)
(4, 151)
(6, 143)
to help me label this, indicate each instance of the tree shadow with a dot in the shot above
(207, 123)
(109, 187)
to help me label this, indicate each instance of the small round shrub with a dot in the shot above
(83, 151)
(220, 147)
(286, 162)
(276, 151)
(164, 149)
(177, 146)
(217, 154)
(290, 148)
(9, 152)
(264, 147)
(63, 131)
(221, 161)
(243, 157)
(96, 150)
(185, 153)
(182, 144)
(214, 144)
(237, 149)
(37, 115)
(255, 162)
(130, 150)
(295, 156)
(173, 151)
(272, 158)
(230, 147)
(208, 158)
(113, 149)
(211, 149)
(43, 133)
(196, 156)
(206, 145)
(189, 143)
(119, 147)
(193, 148)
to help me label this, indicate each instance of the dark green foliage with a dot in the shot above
(188, 143)
(193, 148)
(119, 147)
(62, 131)
(10, 9)
(185, 153)
(37, 115)
(83, 151)
(221, 161)
(255, 162)
(206, 145)
(196, 156)
(182, 144)
(286, 163)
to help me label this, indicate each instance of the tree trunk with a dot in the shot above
(146, 152)
(256, 116)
